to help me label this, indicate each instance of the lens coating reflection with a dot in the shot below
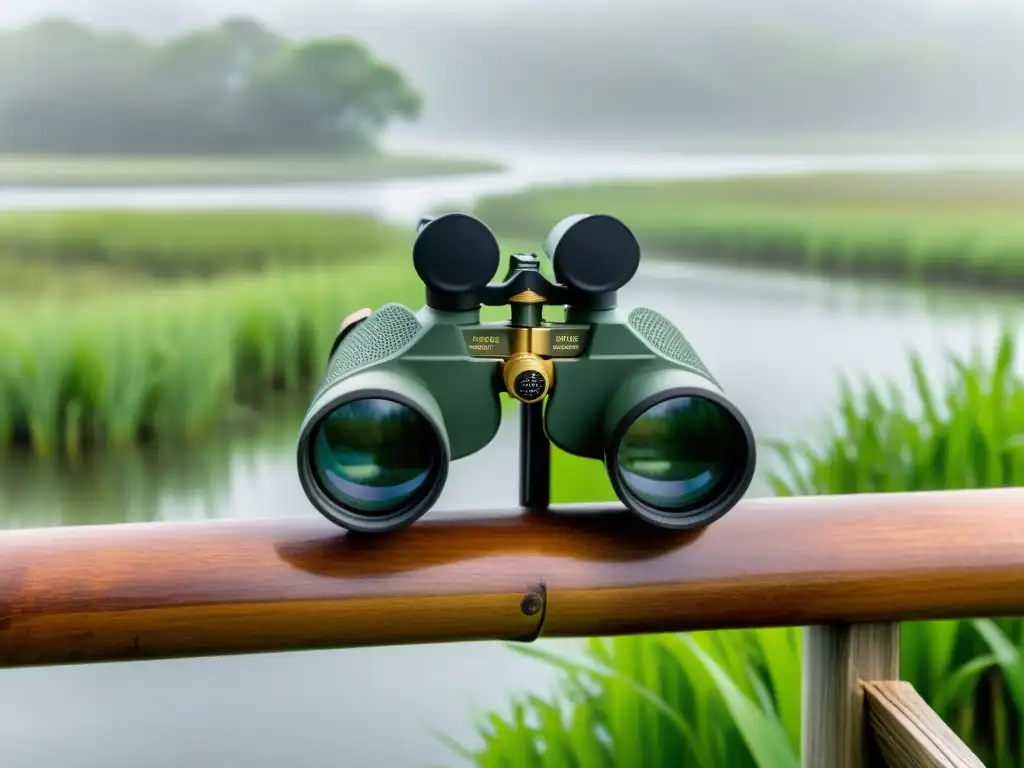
(678, 452)
(374, 456)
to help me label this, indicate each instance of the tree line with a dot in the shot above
(235, 88)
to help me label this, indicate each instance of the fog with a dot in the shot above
(154, 16)
(649, 71)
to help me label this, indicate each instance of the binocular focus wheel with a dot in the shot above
(455, 253)
(593, 253)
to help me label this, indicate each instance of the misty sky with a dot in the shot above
(572, 67)
(163, 17)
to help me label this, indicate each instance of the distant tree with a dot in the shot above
(200, 81)
(236, 87)
(329, 94)
(63, 86)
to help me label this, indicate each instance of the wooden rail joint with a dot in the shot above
(909, 733)
(859, 714)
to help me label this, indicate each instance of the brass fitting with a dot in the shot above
(528, 376)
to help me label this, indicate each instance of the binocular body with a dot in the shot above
(408, 392)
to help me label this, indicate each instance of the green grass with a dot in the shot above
(958, 228)
(85, 170)
(967, 432)
(175, 362)
(172, 363)
(60, 248)
(27, 282)
(733, 698)
(704, 699)
(121, 328)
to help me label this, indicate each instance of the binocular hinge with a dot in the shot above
(527, 297)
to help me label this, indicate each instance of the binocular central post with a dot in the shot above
(534, 458)
(534, 447)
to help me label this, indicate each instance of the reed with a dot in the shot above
(144, 350)
(200, 170)
(51, 249)
(962, 228)
(173, 363)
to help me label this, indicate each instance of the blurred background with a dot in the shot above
(830, 199)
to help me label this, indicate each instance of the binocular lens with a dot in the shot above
(681, 454)
(375, 456)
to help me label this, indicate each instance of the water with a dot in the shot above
(777, 342)
(404, 201)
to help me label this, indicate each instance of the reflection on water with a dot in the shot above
(403, 201)
(145, 484)
(249, 475)
(131, 487)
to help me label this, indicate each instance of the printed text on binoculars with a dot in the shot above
(407, 392)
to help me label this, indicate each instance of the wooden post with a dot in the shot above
(837, 658)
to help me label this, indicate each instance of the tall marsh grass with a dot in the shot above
(956, 227)
(100, 170)
(173, 245)
(173, 363)
(140, 354)
(733, 698)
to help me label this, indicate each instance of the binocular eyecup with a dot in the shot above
(456, 256)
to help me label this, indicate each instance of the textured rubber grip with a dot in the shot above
(662, 336)
(384, 333)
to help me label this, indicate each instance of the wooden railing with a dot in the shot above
(847, 567)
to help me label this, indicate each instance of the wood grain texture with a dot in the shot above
(159, 590)
(910, 733)
(836, 659)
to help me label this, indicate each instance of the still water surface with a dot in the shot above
(777, 342)
(405, 200)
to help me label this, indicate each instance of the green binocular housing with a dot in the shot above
(407, 392)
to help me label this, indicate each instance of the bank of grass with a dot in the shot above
(61, 247)
(79, 170)
(120, 328)
(173, 363)
(961, 228)
(733, 698)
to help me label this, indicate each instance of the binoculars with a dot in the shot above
(408, 392)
